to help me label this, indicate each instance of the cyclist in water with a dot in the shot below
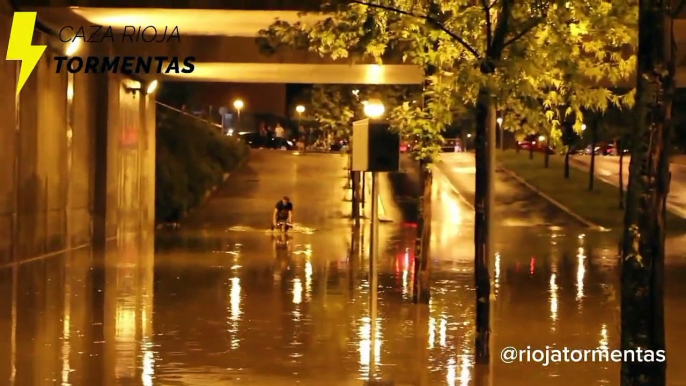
(283, 212)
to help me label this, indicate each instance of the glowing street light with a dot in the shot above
(300, 109)
(541, 138)
(238, 105)
(374, 108)
(583, 126)
(151, 87)
(500, 121)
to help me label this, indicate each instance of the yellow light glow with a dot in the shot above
(73, 47)
(297, 291)
(374, 108)
(300, 109)
(553, 297)
(152, 87)
(580, 273)
(238, 104)
(541, 138)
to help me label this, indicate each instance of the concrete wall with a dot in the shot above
(78, 165)
(258, 97)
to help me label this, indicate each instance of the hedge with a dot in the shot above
(192, 157)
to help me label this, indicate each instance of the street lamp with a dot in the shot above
(374, 108)
(300, 109)
(541, 138)
(583, 126)
(238, 105)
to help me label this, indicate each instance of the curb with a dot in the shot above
(550, 199)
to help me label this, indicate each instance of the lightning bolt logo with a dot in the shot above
(20, 47)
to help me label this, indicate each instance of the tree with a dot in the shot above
(643, 253)
(425, 125)
(528, 49)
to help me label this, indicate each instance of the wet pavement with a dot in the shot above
(517, 205)
(607, 169)
(223, 301)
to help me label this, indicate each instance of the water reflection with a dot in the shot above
(235, 312)
(553, 298)
(217, 321)
(580, 273)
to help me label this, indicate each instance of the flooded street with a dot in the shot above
(224, 301)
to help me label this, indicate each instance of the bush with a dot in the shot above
(192, 157)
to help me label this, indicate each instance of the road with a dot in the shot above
(223, 301)
(516, 205)
(607, 169)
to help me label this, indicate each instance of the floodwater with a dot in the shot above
(235, 304)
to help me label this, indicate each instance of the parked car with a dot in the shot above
(451, 145)
(527, 145)
(256, 141)
(339, 145)
(253, 139)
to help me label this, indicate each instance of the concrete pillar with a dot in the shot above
(101, 206)
(8, 155)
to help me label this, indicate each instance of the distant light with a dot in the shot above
(374, 108)
(73, 47)
(300, 109)
(152, 87)
(356, 92)
(469, 136)
(541, 138)
(583, 126)
(500, 121)
(238, 104)
(230, 132)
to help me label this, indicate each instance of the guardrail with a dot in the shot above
(218, 126)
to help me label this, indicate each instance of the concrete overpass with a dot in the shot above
(222, 38)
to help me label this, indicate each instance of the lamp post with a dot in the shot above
(502, 133)
(300, 109)
(374, 109)
(238, 105)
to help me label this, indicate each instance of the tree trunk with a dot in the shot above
(422, 266)
(485, 124)
(620, 149)
(567, 163)
(546, 158)
(642, 315)
(591, 172)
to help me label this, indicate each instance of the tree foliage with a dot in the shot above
(541, 60)
(335, 107)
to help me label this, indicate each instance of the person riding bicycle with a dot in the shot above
(283, 212)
